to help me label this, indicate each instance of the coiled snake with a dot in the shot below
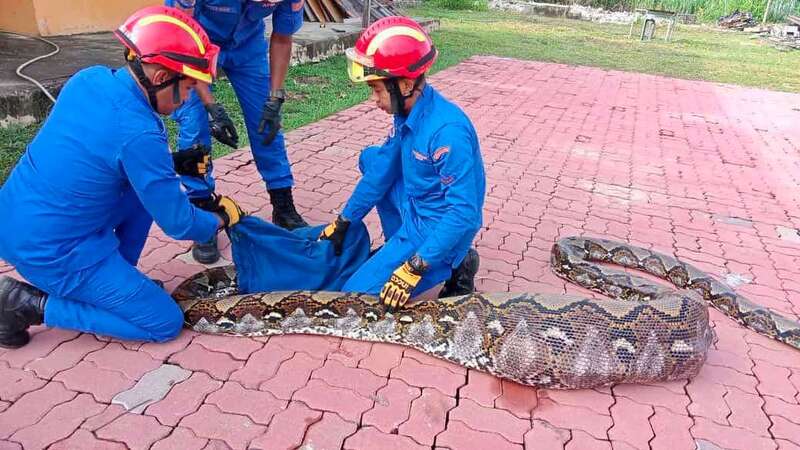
(644, 333)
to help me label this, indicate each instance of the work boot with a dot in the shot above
(462, 281)
(284, 213)
(206, 252)
(21, 305)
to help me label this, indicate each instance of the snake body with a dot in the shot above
(644, 332)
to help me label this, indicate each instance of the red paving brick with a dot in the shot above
(705, 171)
(424, 375)
(482, 388)
(136, 431)
(58, 423)
(428, 416)
(209, 422)
(631, 424)
(184, 398)
(671, 430)
(17, 382)
(392, 406)
(259, 406)
(321, 396)
(544, 436)
(288, 428)
(85, 439)
(32, 407)
(361, 381)
(217, 364)
(103, 384)
(329, 433)
(180, 439)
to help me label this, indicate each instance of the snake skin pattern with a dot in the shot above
(643, 333)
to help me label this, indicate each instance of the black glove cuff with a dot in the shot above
(210, 204)
(418, 265)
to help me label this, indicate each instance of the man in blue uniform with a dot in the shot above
(79, 204)
(427, 180)
(237, 26)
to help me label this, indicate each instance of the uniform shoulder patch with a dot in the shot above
(419, 156)
(441, 151)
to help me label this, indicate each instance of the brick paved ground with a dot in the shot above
(702, 170)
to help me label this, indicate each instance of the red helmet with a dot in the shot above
(171, 38)
(391, 47)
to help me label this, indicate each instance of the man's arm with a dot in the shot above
(454, 159)
(203, 91)
(280, 52)
(286, 21)
(384, 169)
(148, 165)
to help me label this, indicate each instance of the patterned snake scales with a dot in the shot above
(643, 333)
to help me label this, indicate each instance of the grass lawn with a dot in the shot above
(318, 90)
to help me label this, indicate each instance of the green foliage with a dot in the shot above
(712, 10)
(13, 141)
(473, 5)
(708, 11)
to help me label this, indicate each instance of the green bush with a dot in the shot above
(705, 10)
(472, 5)
(712, 10)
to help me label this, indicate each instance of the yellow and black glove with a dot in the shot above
(335, 232)
(192, 161)
(401, 284)
(224, 206)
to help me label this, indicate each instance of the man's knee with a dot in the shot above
(170, 327)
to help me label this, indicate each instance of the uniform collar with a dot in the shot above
(126, 79)
(420, 107)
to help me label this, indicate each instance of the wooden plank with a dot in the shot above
(309, 15)
(349, 8)
(317, 9)
(794, 19)
(332, 10)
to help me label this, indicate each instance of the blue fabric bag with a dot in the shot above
(269, 258)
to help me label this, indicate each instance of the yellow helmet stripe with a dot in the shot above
(169, 19)
(196, 74)
(391, 32)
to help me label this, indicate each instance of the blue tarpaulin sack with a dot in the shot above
(269, 258)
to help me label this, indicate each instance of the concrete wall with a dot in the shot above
(58, 17)
(18, 16)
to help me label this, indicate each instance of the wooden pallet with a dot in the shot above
(337, 10)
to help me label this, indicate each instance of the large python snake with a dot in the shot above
(644, 332)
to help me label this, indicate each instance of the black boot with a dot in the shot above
(206, 252)
(462, 281)
(284, 213)
(21, 305)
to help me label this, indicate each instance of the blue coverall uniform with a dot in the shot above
(428, 184)
(237, 26)
(78, 206)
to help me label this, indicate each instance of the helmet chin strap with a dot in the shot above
(136, 65)
(398, 100)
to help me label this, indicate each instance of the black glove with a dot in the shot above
(193, 161)
(272, 117)
(335, 232)
(224, 206)
(221, 125)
